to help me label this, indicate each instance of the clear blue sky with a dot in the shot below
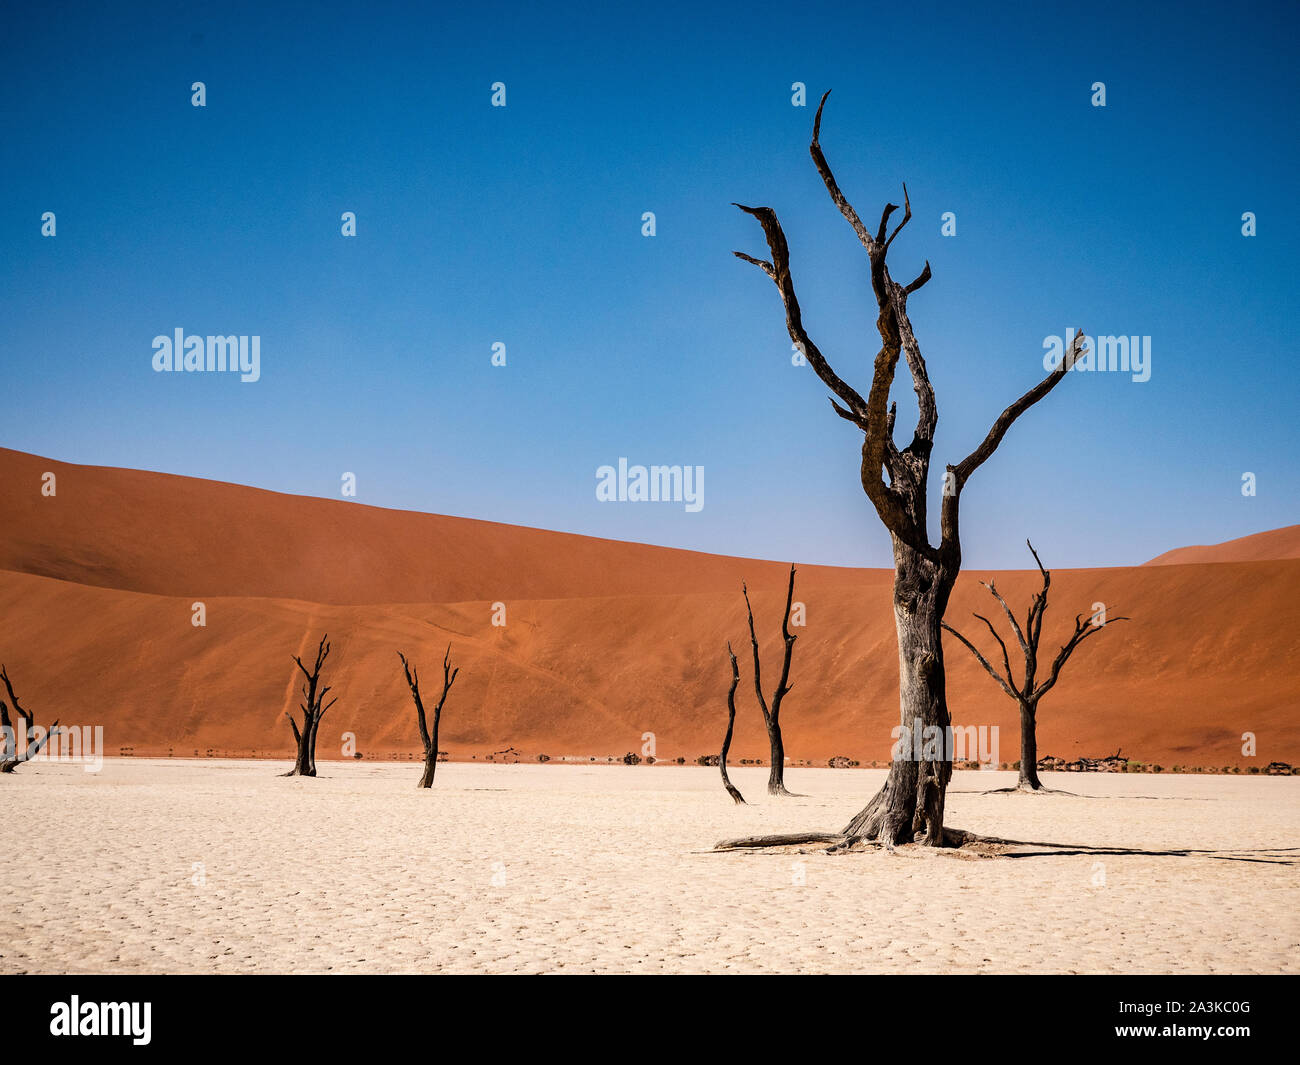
(523, 225)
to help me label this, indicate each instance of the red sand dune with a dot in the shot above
(604, 641)
(1259, 547)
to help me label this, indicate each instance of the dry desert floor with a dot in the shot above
(222, 866)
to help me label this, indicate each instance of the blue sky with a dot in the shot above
(522, 225)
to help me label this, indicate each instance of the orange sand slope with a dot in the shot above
(603, 641)
(1261, 547)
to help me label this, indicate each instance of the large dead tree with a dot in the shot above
(772, 715)
(429, 737)
(909, 807)
(1029, 691)
(313, 708)
(10, 756)
(731, 724)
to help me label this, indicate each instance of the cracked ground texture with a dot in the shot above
(222, 866)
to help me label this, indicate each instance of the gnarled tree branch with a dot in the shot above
(731, 722)
(1026, 692)
(429, 734)
(772, 716)
(11, 760)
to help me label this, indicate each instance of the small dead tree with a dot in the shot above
(10, 757)
(910, 805)
(1028, 692)
(313, 708)
(429, 737)
(772, 715)
(731, 722)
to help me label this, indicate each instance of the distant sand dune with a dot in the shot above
(605, 641)
(1265, 546)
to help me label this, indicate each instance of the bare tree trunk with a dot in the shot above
(731, 722)
(429, 736)
(430, 767)
(1029, 748)
(910, 805)
(772, 715)
(431, 754)
(776, 775)
(313, 708)
(304, 765)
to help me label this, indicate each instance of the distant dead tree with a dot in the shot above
(1027, 693)
(731, 722)
(313, 708)
(772, 715)
(10, 757)
(910, 805)
(430, 737)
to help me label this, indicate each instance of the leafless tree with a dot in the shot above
(731, 722)
(1029, 691)
(313, 708)
(910, 805)
(429, 737)
(10, 757)
(772, 715)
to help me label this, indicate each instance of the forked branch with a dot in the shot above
(1028, 691)
(429, 733)
(313, 707)
(958, 475)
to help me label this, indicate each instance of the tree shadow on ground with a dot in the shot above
(969, 845)
(1266, 855)
(1080, 795)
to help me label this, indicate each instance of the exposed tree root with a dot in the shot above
(789, 839)
(840, 842)
(1029, 789)
(971, 847)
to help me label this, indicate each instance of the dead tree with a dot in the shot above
(1028, 692)
(313, 708)
(429, 737)
(731, 722)
(772, 716)
(10, 757)
(910, 805)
